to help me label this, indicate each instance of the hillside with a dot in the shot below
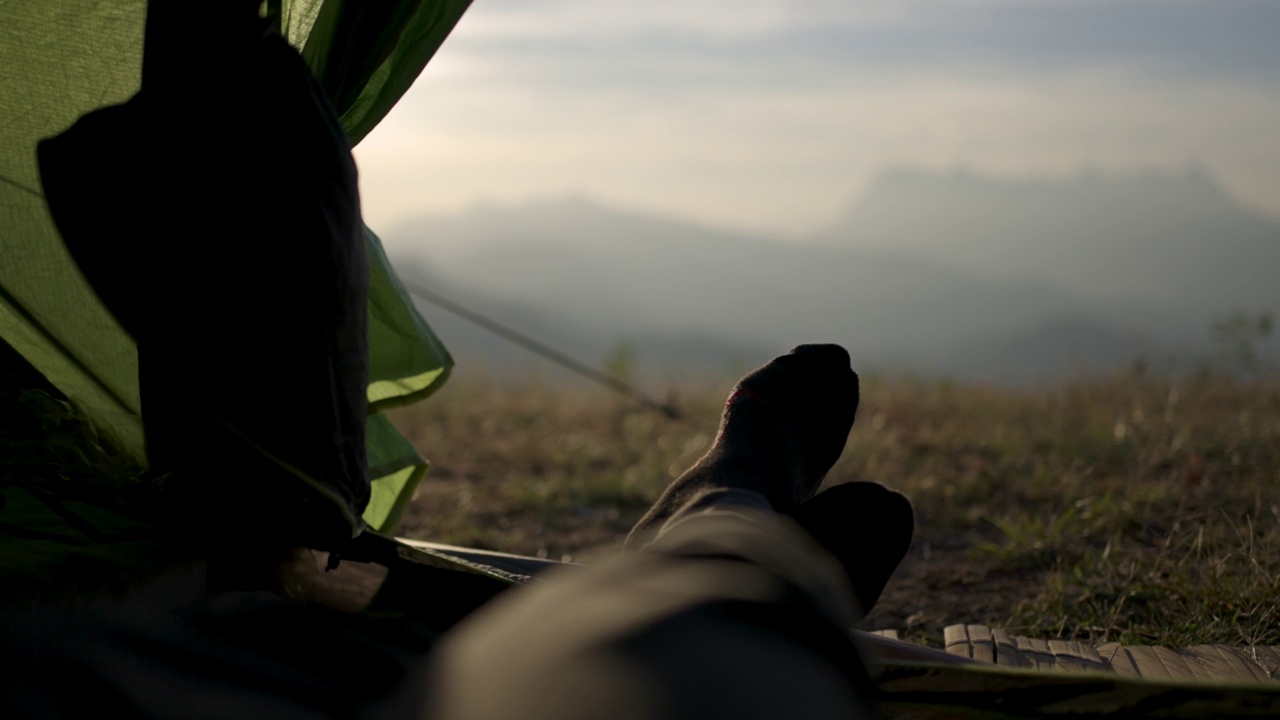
(1174, 241)
(960, 275)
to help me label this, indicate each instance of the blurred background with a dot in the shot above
(1002, 190)
(1048, 231)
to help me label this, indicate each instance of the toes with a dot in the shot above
(826, 355)
(815, 392)
(808, 375)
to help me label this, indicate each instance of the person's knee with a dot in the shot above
(707, 662)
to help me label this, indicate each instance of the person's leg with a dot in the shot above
(721, 607)
(784, 426)
(729, 611)
(727, 615)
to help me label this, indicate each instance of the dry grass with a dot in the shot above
(1121, 508)
(1127, 508)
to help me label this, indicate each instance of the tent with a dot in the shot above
(62, 59)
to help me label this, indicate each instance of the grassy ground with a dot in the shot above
(1121, 508)
(1139, 509)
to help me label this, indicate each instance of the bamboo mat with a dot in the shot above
(1200, 662)
(1218, 663)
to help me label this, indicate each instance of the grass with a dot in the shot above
(1131, 508)
(1127, 508)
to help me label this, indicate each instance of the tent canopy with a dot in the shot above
(61, 59)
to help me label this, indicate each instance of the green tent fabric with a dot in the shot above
(60, 59)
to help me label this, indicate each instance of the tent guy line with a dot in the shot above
(7, 298)
(545, 351)
(528, 343)
(20, 186)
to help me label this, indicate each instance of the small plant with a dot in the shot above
(620, 363)
(1036, 542)
(1238, 337)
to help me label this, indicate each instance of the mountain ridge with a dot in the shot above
(900, 301)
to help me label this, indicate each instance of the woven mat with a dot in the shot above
(1200, 662)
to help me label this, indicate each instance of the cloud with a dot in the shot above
(760, 41)
(767, 115)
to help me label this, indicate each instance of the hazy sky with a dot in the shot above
(771, 115)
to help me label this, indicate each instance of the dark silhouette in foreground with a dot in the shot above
(217, 216)
(724, 606)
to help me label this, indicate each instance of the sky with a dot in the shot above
(771, 116)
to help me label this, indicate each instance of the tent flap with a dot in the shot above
(88, 56)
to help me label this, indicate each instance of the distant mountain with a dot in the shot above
(954, 274)
(659, 355)
(1052, 349)
(1174, 242)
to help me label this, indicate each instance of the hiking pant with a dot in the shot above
(725, 615)
(730, 614)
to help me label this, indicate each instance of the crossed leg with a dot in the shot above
(723, 606)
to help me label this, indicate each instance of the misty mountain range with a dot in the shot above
(951, 274)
